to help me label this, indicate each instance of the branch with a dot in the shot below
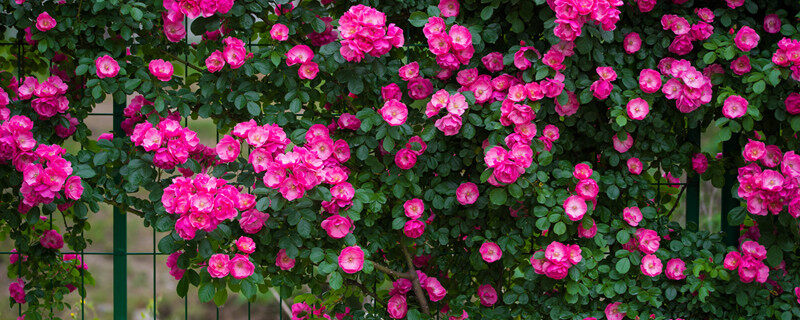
(423, 303)
(174, 57)
(362, 287)
(124, 207)
(386, 270)
(677, 201)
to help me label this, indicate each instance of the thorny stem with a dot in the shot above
(423, 303)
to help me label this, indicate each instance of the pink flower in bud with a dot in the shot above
(449, 8)
(467, 193)
(394, 112)
(632, 215)
(215, 62)
(161, 69)
(487, 295)
(414, 228)
(337, 226)
(490, 252)
(45, 22)
(632, 43)
(218, 265)
(575, 207)
(746, 39)
(106, 67)
(283, 261)
(246, 245)
(635, 166)
(675, 269)
(414, 208)
(351, 259)
(734, 107)
(638, 109)
(279, 32)
(651, 265)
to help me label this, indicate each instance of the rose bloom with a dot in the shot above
(397, 306)
(467, 193)
(651, 265)
(649, 80)
(45, 22)
(746, 39)
(632, 43)
(246, 244)
(218, 265)
(638, 109)
(240, 267)
(699, 163)
(337, 226)
(449, 124)
(283, 261)
(754, 150)
(351, 259)
(622, 146)
(490, 252)
(792, 103)
(741, 65)
(449, 8)
(413, 208)
(587, 189)
(279, 32)
(575, 207)
(632, 215)
(391, 92)
(582, 171)
(394, 112)
(409, 71)
(73, 188)
(772, 23)
(299, 54)
(51, 239)
(419, 88)
(587, 233)
(161, 69)
(414, 228)
(308, 70)
(612, 312)
(405, 159)
(734, 107)
(106, 67)
(215, 62)
(436, 291)
(675, 269)
(487, 294)
(635, 166)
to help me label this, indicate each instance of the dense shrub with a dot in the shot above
(482, 159)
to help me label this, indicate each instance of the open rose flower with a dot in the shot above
(351, 259)
(161, 69)
(106, 67)
(467, 193)
(394, 112)
(490, 252)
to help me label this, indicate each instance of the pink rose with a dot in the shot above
(391, 92)
(675, 269)
(299, 54)
(754, 150)
(649, 80)
(601, 89)
(73, 188)
(632, 215)
(734, 107)
(218, 265)
(252, 221)
(632, 43)
(228, 148)
(792, 103)
(394, 112)
(405, 159)
(612, 312)
(622, 146)
(638, 109)
(651, 265)
(556, 252)
(582, 171)
(493, 61)
(106, 67)
(449, 8)
(409, 71)
(337, 226)
(741, 65)
(414, 208)
(575, 207)
(449, 124)
(587, 189)
(746, 39)
(772, 23)
(246, 244)
(587, 233)
(351, 259)
(240, 267)
(419, 88)
(279, 32)
(490, 252)
(699, 163)
(161, 69)
(308, 70)
(45, 22)
(649, 241)
(283, 261)
(635, 166)
(397, 306)
(215, 62)
(467, 193)
(414, 228)
(349, 121)
(487, 295)
(16, 291)
(51, 239)
(436, 291)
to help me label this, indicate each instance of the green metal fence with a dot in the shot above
(121, 254)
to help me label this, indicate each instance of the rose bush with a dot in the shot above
(515, 143)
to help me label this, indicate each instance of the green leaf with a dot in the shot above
(100, 158)
(356, 86)
(220, 297)
(774, 256)
(132, 84)
(670, 293)
(613, 192)
(316, 255)
(710, 57)
(487, 12)
(137, 14)
(560, 228)
(81, 70)
(623, 265)
(304, 228)
(418, 19)
(759, 87)
(206, 292)
(335, 280)
(253, 108)
(623, 236)
(498, 196)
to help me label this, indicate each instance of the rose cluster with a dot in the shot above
(688, 87)
(418, 87)
(769, 189)
(49, 95)
(234, 54)
(558, 258)
(303, 311)
(644, 240)
(173, 144)
(172, 264)
(406, 158)
(196, 8)
(749, 262)
(452, 48)
(572, 15)
(586, 190)
(602, 87)
(325, 37)
(363, 31)
(302, 54)
(686, 33)
(202, 202)
(221, 265)
(508, 165)
(788, 55)
(413, 209)
(456, 105)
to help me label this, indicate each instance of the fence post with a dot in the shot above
(730, 151)
(120, 236)
(693, 186)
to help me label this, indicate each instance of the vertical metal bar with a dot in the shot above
(155, 274)
(730, 150)
(693, 186)
(120, 237)
(280, 305)
(186, 307)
